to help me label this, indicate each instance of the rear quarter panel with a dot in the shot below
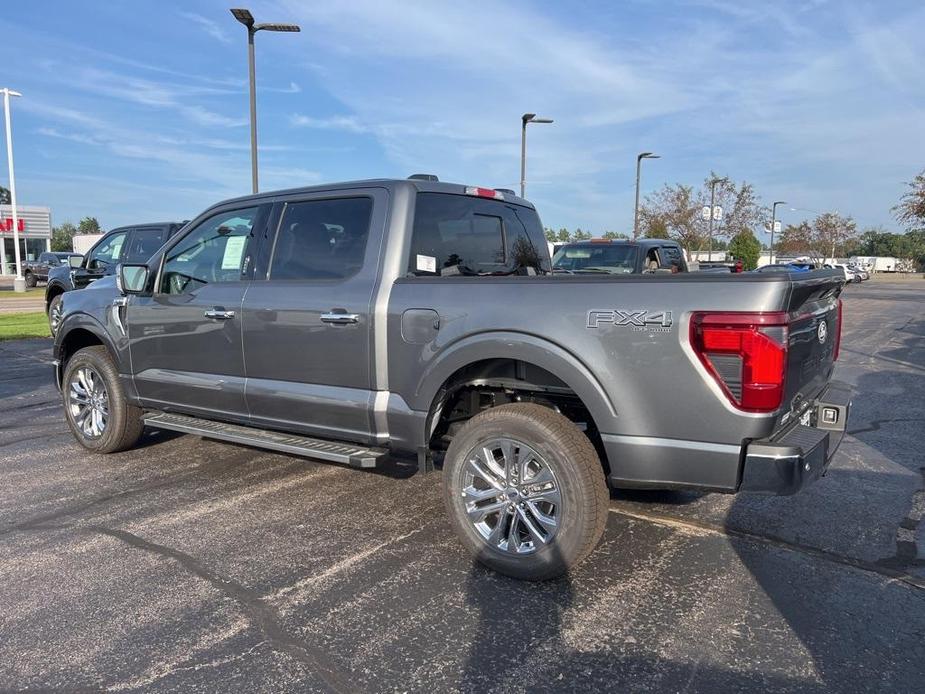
(643, 381)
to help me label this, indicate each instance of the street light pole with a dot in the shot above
(524, 119)
(247, 19)
(639, 158)
(773, 222)
(19, 284)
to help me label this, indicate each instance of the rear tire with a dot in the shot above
(30, 280)
(95, 407)
(540, 521)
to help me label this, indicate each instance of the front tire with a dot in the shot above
(525, 491)
(30, 280)
(55, 313)
(95, 407)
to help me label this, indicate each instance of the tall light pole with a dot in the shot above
(19, 284)
(639, 158)
(773, 222)
(524, 119)
(247, 19)
(712, 207)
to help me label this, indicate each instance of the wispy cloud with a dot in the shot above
(210, 27)
(346, 123)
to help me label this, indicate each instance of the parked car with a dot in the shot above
(417, 319)
(37, 270)
(132, 244)
(619, 257)
(851, 275)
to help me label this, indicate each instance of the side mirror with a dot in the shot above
(75, 261)
(132, 279)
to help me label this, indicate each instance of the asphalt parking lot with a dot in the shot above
(189, 564)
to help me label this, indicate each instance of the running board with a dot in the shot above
(335, 452)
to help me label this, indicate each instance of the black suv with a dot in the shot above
(132, 244)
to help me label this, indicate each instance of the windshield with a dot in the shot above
(605, 258)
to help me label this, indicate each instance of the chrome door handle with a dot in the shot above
(218, 314)
(339, 318)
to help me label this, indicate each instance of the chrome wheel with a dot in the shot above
(511, 496)
(54, 317)
(88, 402)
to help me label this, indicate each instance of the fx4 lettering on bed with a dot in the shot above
(641, 319)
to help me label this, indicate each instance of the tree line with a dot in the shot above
(62, 236)
(675, 211)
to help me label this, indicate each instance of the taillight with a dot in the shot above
(747, 355)
(485, 192)
(837, 331)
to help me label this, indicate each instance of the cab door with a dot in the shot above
(308, 325)
(185, 338)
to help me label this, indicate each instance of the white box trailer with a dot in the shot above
(876, 263)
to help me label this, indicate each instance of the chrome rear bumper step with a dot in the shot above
(333, 451)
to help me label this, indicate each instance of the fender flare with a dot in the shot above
(532, 349)
(84, 321)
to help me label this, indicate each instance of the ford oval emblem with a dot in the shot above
(822, 332)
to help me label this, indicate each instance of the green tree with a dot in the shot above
(62, 237)
(580, 235)
(655, 229)
(4, 196)
(612, 235)
(563, 236)
(550, 234)
(744, 245)
(89, 225)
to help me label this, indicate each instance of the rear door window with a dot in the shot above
(457, 234)
(144, 242)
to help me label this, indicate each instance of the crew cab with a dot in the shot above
(619, 257)
(132, 244)
(420, 320)
(37, 270)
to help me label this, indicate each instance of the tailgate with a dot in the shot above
(814, 310)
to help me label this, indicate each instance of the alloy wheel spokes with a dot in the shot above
(511, 496)
(88, 402)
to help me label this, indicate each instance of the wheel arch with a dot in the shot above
(541, 368)
(76, 332)
(51, 292)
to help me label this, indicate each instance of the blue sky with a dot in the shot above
(137, 111)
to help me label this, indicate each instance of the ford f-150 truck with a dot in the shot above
(421, 319)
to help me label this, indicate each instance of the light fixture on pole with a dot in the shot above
(19, 284)
(247, 19)
(524, 119)
(639, 158)
(773, 223)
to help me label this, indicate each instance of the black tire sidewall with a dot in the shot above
(99, 360)
(30, 280)
(567, 547)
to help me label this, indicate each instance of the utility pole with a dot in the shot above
(19, 284)
(639, 158)
(247, 19)
(524, 119)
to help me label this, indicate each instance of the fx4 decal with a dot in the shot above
(638, 320)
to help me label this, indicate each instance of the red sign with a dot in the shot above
(7, 224)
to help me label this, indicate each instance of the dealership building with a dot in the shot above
(34, 235)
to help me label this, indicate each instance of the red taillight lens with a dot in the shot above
(837, 332)
(485, 192)
(747, 355)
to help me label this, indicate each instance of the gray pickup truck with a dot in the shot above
(421, 320)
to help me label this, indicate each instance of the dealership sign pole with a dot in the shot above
(18, 284)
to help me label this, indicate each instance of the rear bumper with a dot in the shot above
(790, 460)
